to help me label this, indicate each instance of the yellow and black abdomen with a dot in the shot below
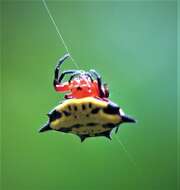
(86, 117)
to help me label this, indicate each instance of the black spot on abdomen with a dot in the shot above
(90, 105)
(67, 129)
(75, 108)
(109, 125)
(76, 126)
(96, 110)
(83, 107)
(91, 124)
(69, 107)
(64, 129)
(54, 115)
(111, 109)
(66, 113)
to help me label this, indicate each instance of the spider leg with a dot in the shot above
(58, 77)
(57, 80)
(77, 72)
(99, 81)
(57, 68)
(61, 61)
(89, 75)
(66, 73)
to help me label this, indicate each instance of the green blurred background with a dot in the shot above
(133, 45)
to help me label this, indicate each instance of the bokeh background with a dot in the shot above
(133, 45)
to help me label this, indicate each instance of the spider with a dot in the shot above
(87, 112)
(81, 84)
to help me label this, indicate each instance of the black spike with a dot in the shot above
(117, 128)
(127, 119)
(82, 137)
(46, 127)
(108, 135)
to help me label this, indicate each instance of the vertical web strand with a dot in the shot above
(58, 31)
(125, 150)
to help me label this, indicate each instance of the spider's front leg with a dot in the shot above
(57, 74)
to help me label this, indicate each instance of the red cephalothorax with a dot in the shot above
(81, 84)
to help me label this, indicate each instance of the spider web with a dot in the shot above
(131, 159)
(58, 32)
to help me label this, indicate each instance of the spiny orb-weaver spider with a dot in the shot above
(87, 110)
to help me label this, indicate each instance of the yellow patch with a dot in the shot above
(80, 113)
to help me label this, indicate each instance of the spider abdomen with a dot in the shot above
(85, 117)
